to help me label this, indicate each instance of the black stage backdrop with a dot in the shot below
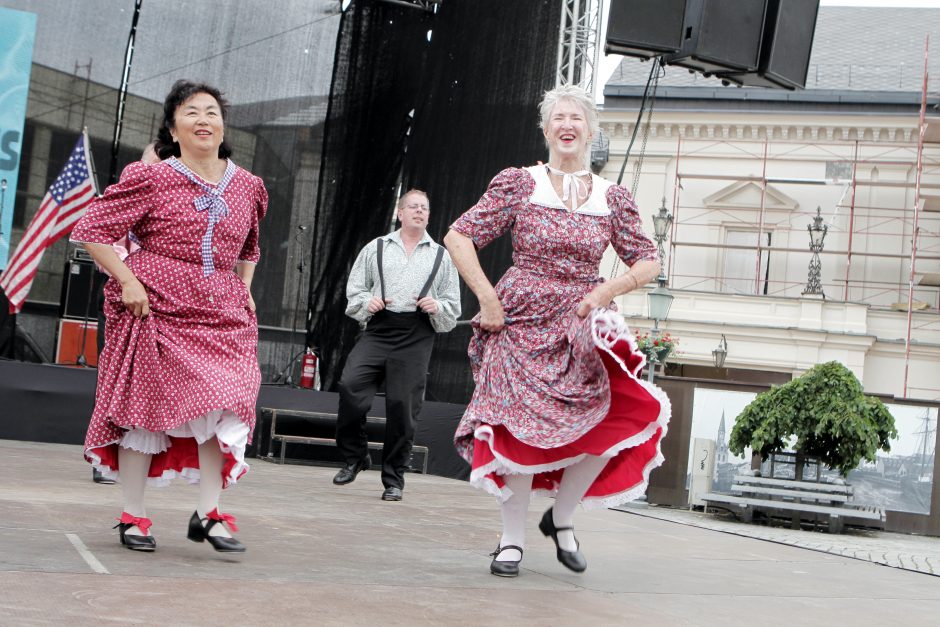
(376, 76)
(474, 91)
(490, 63)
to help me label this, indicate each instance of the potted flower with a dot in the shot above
(656, 348)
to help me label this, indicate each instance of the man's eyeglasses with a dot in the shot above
(414, 207)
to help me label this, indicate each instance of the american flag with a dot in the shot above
(61, 207)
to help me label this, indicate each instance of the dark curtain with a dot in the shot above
(474, 91)
(377, 75)
(490, 63)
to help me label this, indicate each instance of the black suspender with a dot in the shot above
(430, 281)
(378, 258)
(427, 285)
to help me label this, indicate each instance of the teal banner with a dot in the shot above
(16, 56)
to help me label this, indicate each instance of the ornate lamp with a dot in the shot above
(662, 222)
(817, 237)
(719, 354)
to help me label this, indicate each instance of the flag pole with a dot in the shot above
(81, 359)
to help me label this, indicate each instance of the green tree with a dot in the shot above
(825, 411)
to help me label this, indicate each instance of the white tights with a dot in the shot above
(575, 482)
(134, 467)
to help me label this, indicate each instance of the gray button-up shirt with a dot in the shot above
(404, 278)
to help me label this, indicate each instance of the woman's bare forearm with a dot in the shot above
(464, 255)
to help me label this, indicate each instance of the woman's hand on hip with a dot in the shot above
(492, 317)
(134, 297)
(599, 297)
(251, 302)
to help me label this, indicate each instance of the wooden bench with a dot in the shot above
(295, 426)
(802, 500)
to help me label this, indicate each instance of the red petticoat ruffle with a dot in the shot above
(630, 436)
(181, 459)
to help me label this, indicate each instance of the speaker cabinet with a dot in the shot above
(721, 36)
(787, 44)
(80, 284)
(645, 28)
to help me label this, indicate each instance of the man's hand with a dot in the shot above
(377, 304)
(428, 305)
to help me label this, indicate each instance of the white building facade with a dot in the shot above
(743, 171)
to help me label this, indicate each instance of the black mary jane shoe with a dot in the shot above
(572, 560)
(199, 532)
(132, 541)
(347, 474)
(505, 568)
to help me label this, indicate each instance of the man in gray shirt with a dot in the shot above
(402, 289)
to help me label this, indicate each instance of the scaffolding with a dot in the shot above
(896, 231)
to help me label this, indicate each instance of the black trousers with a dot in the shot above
(394, 348)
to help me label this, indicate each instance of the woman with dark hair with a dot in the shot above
(178, 377)
(558, 407)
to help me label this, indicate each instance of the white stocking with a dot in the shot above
(210, 483)
(513, 511)
(574, 483)
(133, 467)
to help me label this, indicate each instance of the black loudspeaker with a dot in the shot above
(721, 36)
(645, 28)
(786, 46)
(80, 283)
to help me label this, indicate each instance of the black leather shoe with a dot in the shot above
(505, 568)
(573, 560)
(133, 541)
(392, 494)
(97, 477)
(199, 532)
(347, 474)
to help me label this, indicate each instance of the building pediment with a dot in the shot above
(747, 195)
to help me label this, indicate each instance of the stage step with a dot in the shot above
(293, 426)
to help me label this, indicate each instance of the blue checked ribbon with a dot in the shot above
(212, 202)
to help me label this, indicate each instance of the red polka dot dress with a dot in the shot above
(551, 387)
(188, 371)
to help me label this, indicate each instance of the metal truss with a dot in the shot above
(578, 42)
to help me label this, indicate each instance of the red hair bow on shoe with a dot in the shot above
(141, 523)
(228, 519)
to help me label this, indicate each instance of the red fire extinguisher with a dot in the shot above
(309, 378)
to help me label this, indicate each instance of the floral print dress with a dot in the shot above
(552, 387)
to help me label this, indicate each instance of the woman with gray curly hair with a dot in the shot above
(558, 407)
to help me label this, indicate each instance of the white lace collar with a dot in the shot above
(545, 194)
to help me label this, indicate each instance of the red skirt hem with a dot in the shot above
(629, 436)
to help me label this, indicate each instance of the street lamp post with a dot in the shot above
(660, 300)
(817, 236)
(662, 221)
